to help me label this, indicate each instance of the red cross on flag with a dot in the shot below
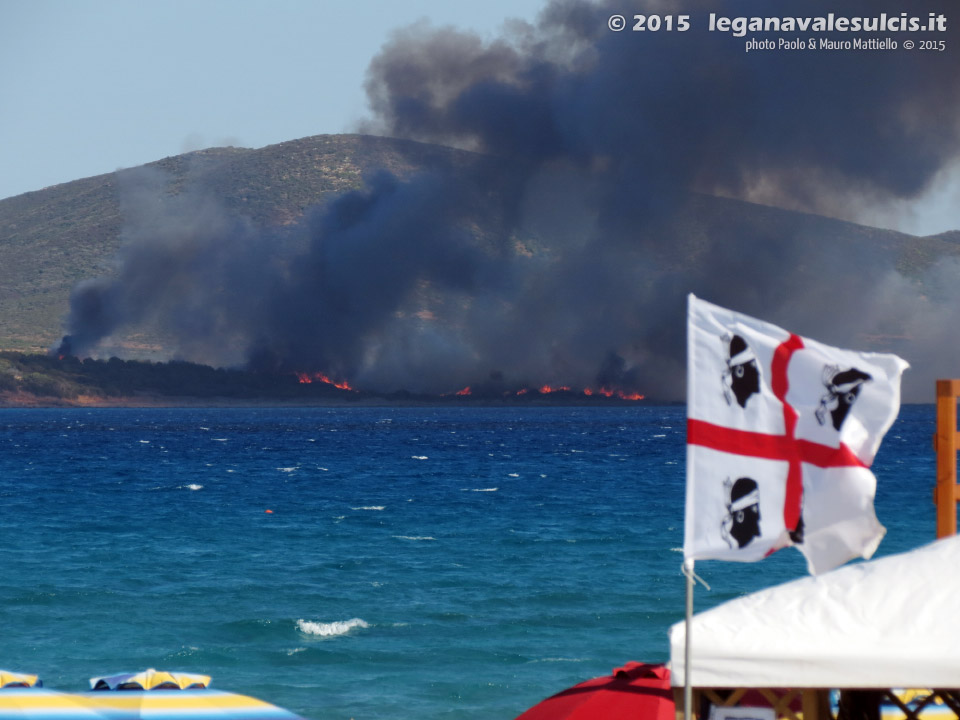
(781, 433)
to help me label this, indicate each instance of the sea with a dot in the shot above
(370, 562)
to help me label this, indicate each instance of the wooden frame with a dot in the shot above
(815, 703)
(950, 698)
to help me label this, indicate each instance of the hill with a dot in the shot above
(52, 238)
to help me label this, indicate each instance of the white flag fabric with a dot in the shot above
(781, 432)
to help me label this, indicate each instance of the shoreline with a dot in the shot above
(20, 399)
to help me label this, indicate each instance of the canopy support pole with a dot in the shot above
(687, 687)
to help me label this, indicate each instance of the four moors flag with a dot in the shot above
(781, 432)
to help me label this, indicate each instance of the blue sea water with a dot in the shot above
(415, 562)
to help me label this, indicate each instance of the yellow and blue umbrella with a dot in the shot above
(150, 695)
(203, 704)
(32, 703)
(150, 679)
(159, 695)
(10, 679)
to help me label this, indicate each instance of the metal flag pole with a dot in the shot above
(692, 578)
(687, 687)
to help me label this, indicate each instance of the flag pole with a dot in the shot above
(687, 566)
(687, 687)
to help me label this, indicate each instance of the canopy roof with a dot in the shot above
(150, 679)
(8, 678)
(893, 622)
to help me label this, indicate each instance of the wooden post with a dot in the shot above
(945, 442)
(816, 704)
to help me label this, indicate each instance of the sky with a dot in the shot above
(92, 86)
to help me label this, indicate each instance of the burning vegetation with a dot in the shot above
(561, 391)
(27, 379)
(307, 378)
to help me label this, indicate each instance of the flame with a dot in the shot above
(589, 392)
(546, 389)
(602, 391)
(465, 391)
(607, 392)
(306, 379)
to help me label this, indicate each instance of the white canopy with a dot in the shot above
(892, 622)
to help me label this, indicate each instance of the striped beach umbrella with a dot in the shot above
(10, 679)
(32, 703)
(150, 679)
(202, 704)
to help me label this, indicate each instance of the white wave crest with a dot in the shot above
(419, 457)
(414, 537)
(370, 507)
(481, 489)
(287, 469)
(194, 486)
(330, 629)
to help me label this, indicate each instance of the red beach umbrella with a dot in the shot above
(636, 691)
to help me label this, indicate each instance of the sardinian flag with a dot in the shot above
(781, 432)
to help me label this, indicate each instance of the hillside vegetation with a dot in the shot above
(53, 238)
(34, 379)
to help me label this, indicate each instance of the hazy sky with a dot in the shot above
(90, 86)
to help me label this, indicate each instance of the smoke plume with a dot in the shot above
(564, 254)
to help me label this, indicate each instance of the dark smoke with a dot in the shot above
(589, 235)
(681, 110)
